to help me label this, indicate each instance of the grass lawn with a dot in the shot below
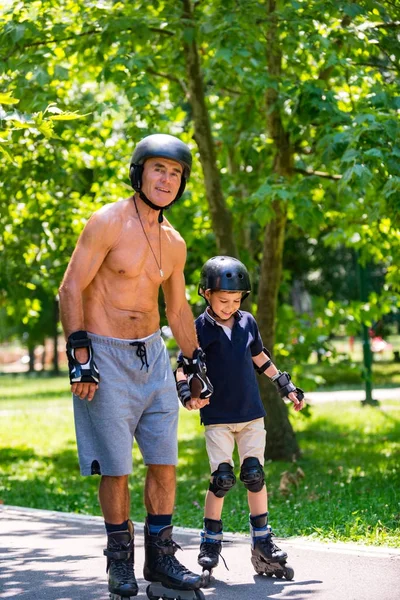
(350, 492)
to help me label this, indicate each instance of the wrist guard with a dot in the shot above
(81, 372)
(268, 363)
(285, 385)
(183, 390)
(195, 369)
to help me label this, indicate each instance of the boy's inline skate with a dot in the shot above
(210, 548)
(169, 578)
(266, 557)
(120, 564)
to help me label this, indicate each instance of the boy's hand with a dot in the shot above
(196, 403)
(297, 404)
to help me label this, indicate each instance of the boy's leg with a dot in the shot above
(220, 444)
(251, 446)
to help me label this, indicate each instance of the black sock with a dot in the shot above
(111, 528)
(158, 522)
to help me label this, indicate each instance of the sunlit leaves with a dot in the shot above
(121, 66)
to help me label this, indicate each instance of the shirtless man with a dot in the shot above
(120, 373)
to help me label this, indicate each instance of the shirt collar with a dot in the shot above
(237, 316)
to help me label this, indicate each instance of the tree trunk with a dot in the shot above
(220, 215)
(31, 352)
(281, 440)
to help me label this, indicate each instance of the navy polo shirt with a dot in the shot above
(236, 397)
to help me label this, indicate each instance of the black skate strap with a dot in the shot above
(117, 554)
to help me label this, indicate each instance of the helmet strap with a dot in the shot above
(155, 206)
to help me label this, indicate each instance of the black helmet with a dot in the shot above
(165, 146)
(224, 273)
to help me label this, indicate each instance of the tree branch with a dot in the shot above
(374, 66)
(310, 173)
(170, 78)
(383, 25)
(76, 35)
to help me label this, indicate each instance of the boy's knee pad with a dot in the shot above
(222, 480)
(252, 474)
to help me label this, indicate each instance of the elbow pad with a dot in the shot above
(268, 363)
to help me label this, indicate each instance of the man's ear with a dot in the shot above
(135, 175)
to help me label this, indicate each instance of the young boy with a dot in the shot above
(235, 413)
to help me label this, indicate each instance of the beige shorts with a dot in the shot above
(220, 442)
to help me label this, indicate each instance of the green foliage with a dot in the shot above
(121, 66)
(349, 492)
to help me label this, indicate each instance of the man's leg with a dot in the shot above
(114, 499)
(160, 563)
(114, 502)
(159, 490)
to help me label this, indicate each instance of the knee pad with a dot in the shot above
(252, 474)
(222, 480)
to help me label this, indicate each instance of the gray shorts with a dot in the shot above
(133, 401)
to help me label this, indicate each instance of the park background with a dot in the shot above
(291, 109)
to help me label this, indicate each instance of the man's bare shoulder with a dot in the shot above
(109, 219)
(174, 235)
(114, 211)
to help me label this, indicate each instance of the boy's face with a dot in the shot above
(224, 304)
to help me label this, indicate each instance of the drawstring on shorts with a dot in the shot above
(141, 353)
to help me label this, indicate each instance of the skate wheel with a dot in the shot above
(279, 574)
(270, 574)
(199, 595)
(150, 595)
(288, 573)
(206, 578)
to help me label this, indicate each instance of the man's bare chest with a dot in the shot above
(136, 256)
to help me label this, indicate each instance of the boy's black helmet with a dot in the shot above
(164, 146)
(224, 273)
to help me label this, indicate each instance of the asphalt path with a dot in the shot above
(46, 555)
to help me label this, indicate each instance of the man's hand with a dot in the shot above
(83, 372)
(196, 371)
(184, 393)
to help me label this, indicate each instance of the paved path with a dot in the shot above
(57, 556)
(352, 395)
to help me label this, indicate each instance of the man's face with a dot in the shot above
(161, 180)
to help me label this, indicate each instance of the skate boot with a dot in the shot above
(170, 579)
(120, 561)
(210, 547)
(266, 557)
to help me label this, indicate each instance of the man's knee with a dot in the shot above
(252, 474)
(222, 480)
(162, 470)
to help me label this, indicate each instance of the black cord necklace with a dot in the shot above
(159, 265)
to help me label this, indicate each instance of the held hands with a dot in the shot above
(196, 370)
(184, 393)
